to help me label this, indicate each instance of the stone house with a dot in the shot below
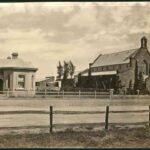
(106, 69)
(17, 76)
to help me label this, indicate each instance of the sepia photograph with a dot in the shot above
(75, 75)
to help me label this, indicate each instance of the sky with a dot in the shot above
(48, 32)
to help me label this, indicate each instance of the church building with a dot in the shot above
(123, 68)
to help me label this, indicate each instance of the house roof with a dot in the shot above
(16, 64)
(114, 58)
(45, 79)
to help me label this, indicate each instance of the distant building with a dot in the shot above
(107, 69)
(17, 76)
(48, 84)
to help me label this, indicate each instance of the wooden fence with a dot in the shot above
(65, 94)
(105, 123)
(57, 94)
(79, 94)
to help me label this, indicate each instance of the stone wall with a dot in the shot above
(127, 75)
(143, 55)
(148, 83)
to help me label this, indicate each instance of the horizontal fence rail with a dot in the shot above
(67, 112)
(51, 112)
(55, 94)
(69, 94)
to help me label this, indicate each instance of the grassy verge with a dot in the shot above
(113, 138)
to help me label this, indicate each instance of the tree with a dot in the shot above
(66, 70)
(71, 69)
(130, 87)
(130, 84)
(136, 78)
(117, 84)
(60, 70)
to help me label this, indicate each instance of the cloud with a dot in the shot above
(45, 33)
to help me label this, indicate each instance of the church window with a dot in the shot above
(145, 67)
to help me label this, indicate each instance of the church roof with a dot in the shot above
(114, 58)
(16, 63)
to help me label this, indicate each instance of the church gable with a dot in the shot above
(143, 58)
(114, 58)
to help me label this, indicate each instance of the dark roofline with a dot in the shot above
(148, 51)
(121, 51)
(96, 59)
(44, 80)
(112, 53)
(18, 68)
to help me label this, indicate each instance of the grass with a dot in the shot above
(115, 138)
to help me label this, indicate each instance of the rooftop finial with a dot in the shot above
(143, 42)
(14, 55)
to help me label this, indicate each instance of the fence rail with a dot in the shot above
(67, 94)
(55, 94)
(106, 122)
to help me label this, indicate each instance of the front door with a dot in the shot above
(1, 85)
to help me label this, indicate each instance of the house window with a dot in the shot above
(113, 67)
(119, 66)
(107, 68)
(37, 84)
(21, 81)
(95, 69)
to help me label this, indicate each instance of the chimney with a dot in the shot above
(14, 55)
(8, 57)
(144, 42)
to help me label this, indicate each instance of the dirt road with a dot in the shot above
(17, 120)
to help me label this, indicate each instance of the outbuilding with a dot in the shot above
(17, 76)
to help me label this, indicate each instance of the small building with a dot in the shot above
(48, 83)
(109, 70)
(17, 76)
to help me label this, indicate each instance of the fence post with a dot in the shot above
(138, 92)
(106, 117)
(58, 94)
(27, 93)
(45, 93)
(63, 94)
(111, 93)
(95, 94)
(149, 117)
(51, 118)
(79, 94)
(8, 92)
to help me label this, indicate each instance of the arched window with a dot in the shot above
(145, 67)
